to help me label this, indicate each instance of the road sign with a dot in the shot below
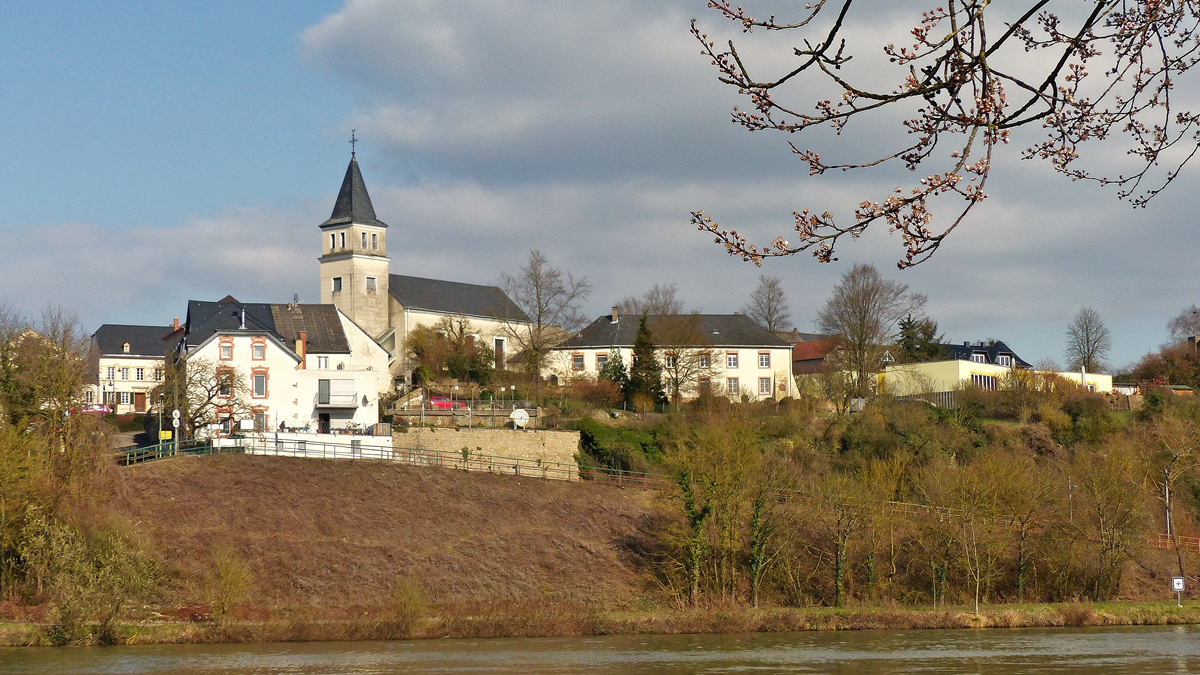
(175, 414)
(520, 418)
(1177, 584)
(164, 435)
(175, 423)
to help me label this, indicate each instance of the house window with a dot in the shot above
(1004, 360)
(670, 360)
(158, 374)
(703, 361)
(322, 362)
(370, 284)
(577, 362)
(764, 359)
(731, 360)
(125, 397)
(705, 385)
(601, 361)
(112, 373)
(337, 284)
(224, 384)
(258, 351)
(260, 384)
(764, 386)
(364, 240)
(110, 397)
(124, 373)
(226, 351)
(979, 357)
(731, 386)
(984, 382)
(260, 421)
(374, 241)
(139, 374)
(89, 396)
(343, 239)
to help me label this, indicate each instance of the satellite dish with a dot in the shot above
(519, 418)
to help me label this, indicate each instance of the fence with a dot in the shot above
(135, 455)
(1165, 542)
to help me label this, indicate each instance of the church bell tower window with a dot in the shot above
(343, 240)
(374, 242)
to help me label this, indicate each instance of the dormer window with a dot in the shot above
(1004, 360)
(125, 348)
(979, 357)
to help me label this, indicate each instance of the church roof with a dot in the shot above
(284, 322)
(353, 204)
(453, 297)
(143, 340)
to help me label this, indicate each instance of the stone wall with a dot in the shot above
(549, 454)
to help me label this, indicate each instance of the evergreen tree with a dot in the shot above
(918, 341)
(614, 370)
(645, 374)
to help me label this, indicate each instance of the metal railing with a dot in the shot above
(134, 455)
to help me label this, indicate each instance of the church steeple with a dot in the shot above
(353, 204)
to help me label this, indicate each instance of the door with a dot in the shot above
(139, 402)
(323, 423)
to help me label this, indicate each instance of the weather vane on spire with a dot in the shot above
(353, 141)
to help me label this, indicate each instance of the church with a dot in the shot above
(356, 278)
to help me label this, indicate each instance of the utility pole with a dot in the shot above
(1167, 497)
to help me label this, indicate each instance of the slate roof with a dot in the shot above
(963, 352)
(795, 336)
(453, 297)
(284, 322)
(719, 330)
(353, 204)
(321, 322)
(110, 339)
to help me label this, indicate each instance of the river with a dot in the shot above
(1157, 649)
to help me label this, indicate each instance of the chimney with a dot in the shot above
(243, 318)
(176, 325)
(615, 314)
(302, 349)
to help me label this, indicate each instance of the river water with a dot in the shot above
(1158, 649)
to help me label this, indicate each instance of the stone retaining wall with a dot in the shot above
(531, 449)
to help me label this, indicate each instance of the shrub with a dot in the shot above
(617, 447)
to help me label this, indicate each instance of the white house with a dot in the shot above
(124, 363)
(731, 354)
(304, 366)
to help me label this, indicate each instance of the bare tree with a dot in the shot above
(864, 311)
(660, 300)
(768, 306)
(1088, 342)
(958, 83)
(551, 300)
(1185, 325)
(686, 354)
(203, 392)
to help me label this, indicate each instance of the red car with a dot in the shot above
(443, 403)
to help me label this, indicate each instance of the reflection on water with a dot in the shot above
(1158, 649)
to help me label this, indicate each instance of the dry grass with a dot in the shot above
(338, 535)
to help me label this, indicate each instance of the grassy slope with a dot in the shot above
(318, 533)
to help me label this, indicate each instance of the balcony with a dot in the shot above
(336, 394)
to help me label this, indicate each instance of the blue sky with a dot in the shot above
(159, 153)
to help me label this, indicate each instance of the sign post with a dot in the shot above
(175, 423)
(1177, 586)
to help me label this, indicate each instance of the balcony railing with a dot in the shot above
(329, 400)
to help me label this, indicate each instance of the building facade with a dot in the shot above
(125, 363)
(726, 354)
(984, 365)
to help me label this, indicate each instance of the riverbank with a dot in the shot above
(518, 621)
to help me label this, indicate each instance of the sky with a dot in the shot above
(159, 153)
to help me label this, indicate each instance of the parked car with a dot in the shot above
(444, 403)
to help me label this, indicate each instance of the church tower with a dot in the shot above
(354, 262)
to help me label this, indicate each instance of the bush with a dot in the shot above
(617, 447)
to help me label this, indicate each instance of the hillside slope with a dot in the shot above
(329, 534)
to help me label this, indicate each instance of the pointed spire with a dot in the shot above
(353, 203)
